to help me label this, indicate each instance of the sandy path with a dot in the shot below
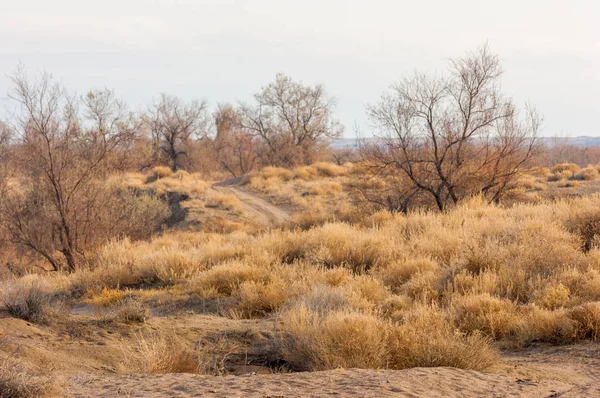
(257, 207)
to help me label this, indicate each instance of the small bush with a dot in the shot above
(488, 315)
(589, 173)
(225, 202)
(552, 297)
(427, 339)
(26, 299)
(562, 167)
(160, 354)
(130, 311)
(106, 297)
(162, 171)
(587, 318)
(258, 299)
(398, 273)
(316, 341)
(17, 382)
(564, 183)
(227, 278)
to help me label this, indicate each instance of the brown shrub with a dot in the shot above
(587, 319)
(227, 278)
(26, 299)
(130, 311)
(160, 354)
(258, 299)
(320, 341)
(18, 382)
(427, 339)
(400, 272)
(552, 297)
(493, 317)
(590, 173)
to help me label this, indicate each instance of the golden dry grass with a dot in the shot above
(389, 291)
(16, 381)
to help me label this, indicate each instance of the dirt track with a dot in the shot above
(257, 207)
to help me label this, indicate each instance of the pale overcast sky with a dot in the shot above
(226, 50)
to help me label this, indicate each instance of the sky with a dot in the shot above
(224, 51)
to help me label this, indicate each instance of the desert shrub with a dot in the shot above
(162, 171)
(276, 173)
(532, 184)
(260, 298)
(26, 299)
(227, 278)
(589, 173)
(106, 297)
(562, 167)
(552, 297)
(130, 311)
(225, 202)
(491, 316)
(546, 326)
(153, 353)
(18, 382)
(564, 183)
(427, 339)
(329, 169)
(586, 225)
(322, 300)
(399, 272)
(587, 319)
(319, 341)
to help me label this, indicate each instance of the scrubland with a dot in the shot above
(336, 286)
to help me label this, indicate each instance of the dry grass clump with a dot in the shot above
(106, 297)
(398, 273)
(226, 278)
(564, 183)
(494, 317)
(553, 297)
(129, 311)
(160, 354)
(532, 183)
(427, 339)
(162, 171)
(564, 170)
(587, 319)
(163, 180)
(256, 299)
(27, 299)
(225, 202)
(17, 382)
(314, 340)
(589, 173)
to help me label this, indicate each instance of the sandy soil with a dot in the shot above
(571, 371)
(86, 357)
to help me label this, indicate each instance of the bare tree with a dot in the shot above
(452, 137)
(235, 149)
(63, 157)
(292, 121)
(173, 124)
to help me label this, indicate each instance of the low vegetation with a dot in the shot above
(391, 261)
